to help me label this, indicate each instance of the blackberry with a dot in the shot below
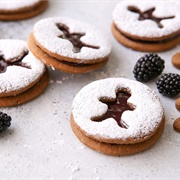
(5, 121)
(148, 67)
(169, 84)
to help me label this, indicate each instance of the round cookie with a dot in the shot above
(177, 104)
(176, 125)
(176, 60)
(117, 116)
(21, 9)
(151, 26)
(69, 45)
(22, 76)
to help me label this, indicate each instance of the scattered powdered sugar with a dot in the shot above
(16, 4)
(47, 34)
(145, 118)
(17, 77)
(128, 22)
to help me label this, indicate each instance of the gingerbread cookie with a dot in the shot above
(176, 60)
(18, 10)
(22, 76)
(149, 26)
(117, 116)
(69, 45)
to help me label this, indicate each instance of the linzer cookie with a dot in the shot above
(21, 9)
(117, 116)
(150, 26)
(22, 76)
(69, 45)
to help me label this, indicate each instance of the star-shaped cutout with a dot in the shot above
(116, 109)
(74, 38)
(18, 62)
(149, 15)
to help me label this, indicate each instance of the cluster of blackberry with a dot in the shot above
(5, 121)
(150, 66)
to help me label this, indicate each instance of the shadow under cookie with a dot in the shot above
(27, 95)
(24, 13)
(116, 149)
(145, 46)
(62, 65)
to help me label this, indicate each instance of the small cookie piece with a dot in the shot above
(117, 116)
(69, 45)
(19, 10)
(176, 125)
(148, 26)
(176, 60)
(178, 104)
(22, 76)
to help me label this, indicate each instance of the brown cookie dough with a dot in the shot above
(176, 125)
(176, 60)
(23, 10)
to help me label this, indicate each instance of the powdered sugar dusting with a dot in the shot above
(16, 4)
(47, 34)
(145, 118)
(16, 77)
(128, 22)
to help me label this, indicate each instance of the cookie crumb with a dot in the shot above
(176, 125)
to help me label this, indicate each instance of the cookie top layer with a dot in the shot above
(142, 122)
(51, 35)
(8, 5)
(127, 21)
(18, 67)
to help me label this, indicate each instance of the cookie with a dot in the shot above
(18, 10)
(151, 26)
(69, 45)
(117, 116)
(176, 60)
(177, 104)
(176, 125)
(22, 76)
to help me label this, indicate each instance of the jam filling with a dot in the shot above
(116, 108)
(17, 62)
(74, 38)
(148, 15)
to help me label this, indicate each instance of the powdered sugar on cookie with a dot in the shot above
(128, 22)
(142, 121)
(48, 35)
(17, 77)
(15, 5)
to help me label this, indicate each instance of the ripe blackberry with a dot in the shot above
(148, 67)
(5, 121)
(169, 84)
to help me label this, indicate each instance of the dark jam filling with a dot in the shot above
(74, 38)
(18, 62)
(149, 15)
(116, 108)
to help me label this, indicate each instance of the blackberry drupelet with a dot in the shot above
(148, 67)
(5, 121)
(169, 84)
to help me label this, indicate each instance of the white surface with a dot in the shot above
(40, 143)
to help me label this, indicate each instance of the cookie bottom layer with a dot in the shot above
(24, 15)
(144, 46)
(58, 64)
(116, 149)
(28, 95)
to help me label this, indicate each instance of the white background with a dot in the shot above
(40, 143)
